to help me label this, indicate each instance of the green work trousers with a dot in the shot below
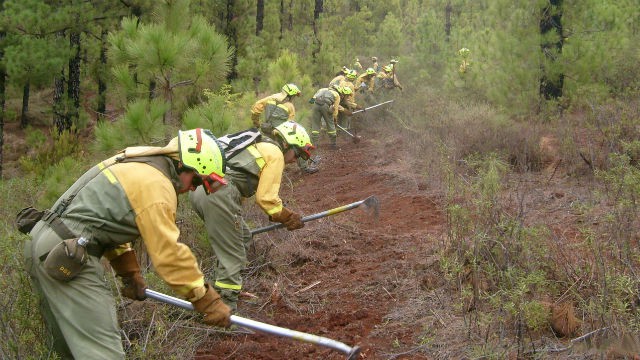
(228, 235)
(80, 314)
(319, 113)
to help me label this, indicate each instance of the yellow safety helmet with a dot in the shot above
(200, 151)
(297, 137)
(352, 74)
(388, 68)
(291, 90)
(370, 71)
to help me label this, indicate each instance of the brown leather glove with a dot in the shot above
(288, 218)
(126, 266)
(255, 118)
(215, 311)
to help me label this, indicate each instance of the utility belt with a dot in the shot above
(29, 217)
(52, 219)
(66, 259)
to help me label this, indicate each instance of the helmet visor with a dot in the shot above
(211, 182)
(303, 152)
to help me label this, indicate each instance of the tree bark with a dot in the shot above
(3, 77)
(24, 121)
(551, 20)
(447, 20)
(259, 16)
(316, 15)
(282, 14)
(59, 106)
(102, 84)
(232, 35)
(73, 89)
(290, 17)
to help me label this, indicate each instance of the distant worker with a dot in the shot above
(365, 85)
(278, 108)
(465, 62)
(132, 195)
(357, 65)
(282, 101)
(348, 102)
(326, 106)
(366, 81)
(255, 170)
(388, 80)
(374, 64)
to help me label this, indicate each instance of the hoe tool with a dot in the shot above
(370, 203)
(372, 106)
(356, 139)
(352, 352)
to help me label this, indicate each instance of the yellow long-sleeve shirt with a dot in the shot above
(270, 157)
(154, 202)
(259, 106)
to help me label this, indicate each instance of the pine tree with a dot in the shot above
(180, 52)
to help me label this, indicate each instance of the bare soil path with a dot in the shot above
(367, 270)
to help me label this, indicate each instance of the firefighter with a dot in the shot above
(348, 102)
(278, 108)
(326, 106)
(256, 170)
(374, 64)
(365, 84)
(282, 102)
(131, 195)
(388, 80)
(357, 65)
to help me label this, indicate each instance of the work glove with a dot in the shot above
(215, 311)
(126, 266)
(288, 218)
(255, 118)
(347, 112)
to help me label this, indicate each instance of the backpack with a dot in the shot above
(233, 144)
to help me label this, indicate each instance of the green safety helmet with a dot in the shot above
(291, 90)
(352, 74)
(464, 52)
(297, 137)
(388, 68)
(200, 151)
(370, 71)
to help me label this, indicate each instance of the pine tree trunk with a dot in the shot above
(290, 17)
(102, 84)
(551, 20)
(232, 35)
(259, 16)
(447, 20)
(24, 121)
(3, 76)
(281, 19)
(73, 89)
(316, 15)
(59, 112)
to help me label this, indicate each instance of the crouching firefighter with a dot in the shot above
(129, 196)
(255, 170)
(278, 108)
